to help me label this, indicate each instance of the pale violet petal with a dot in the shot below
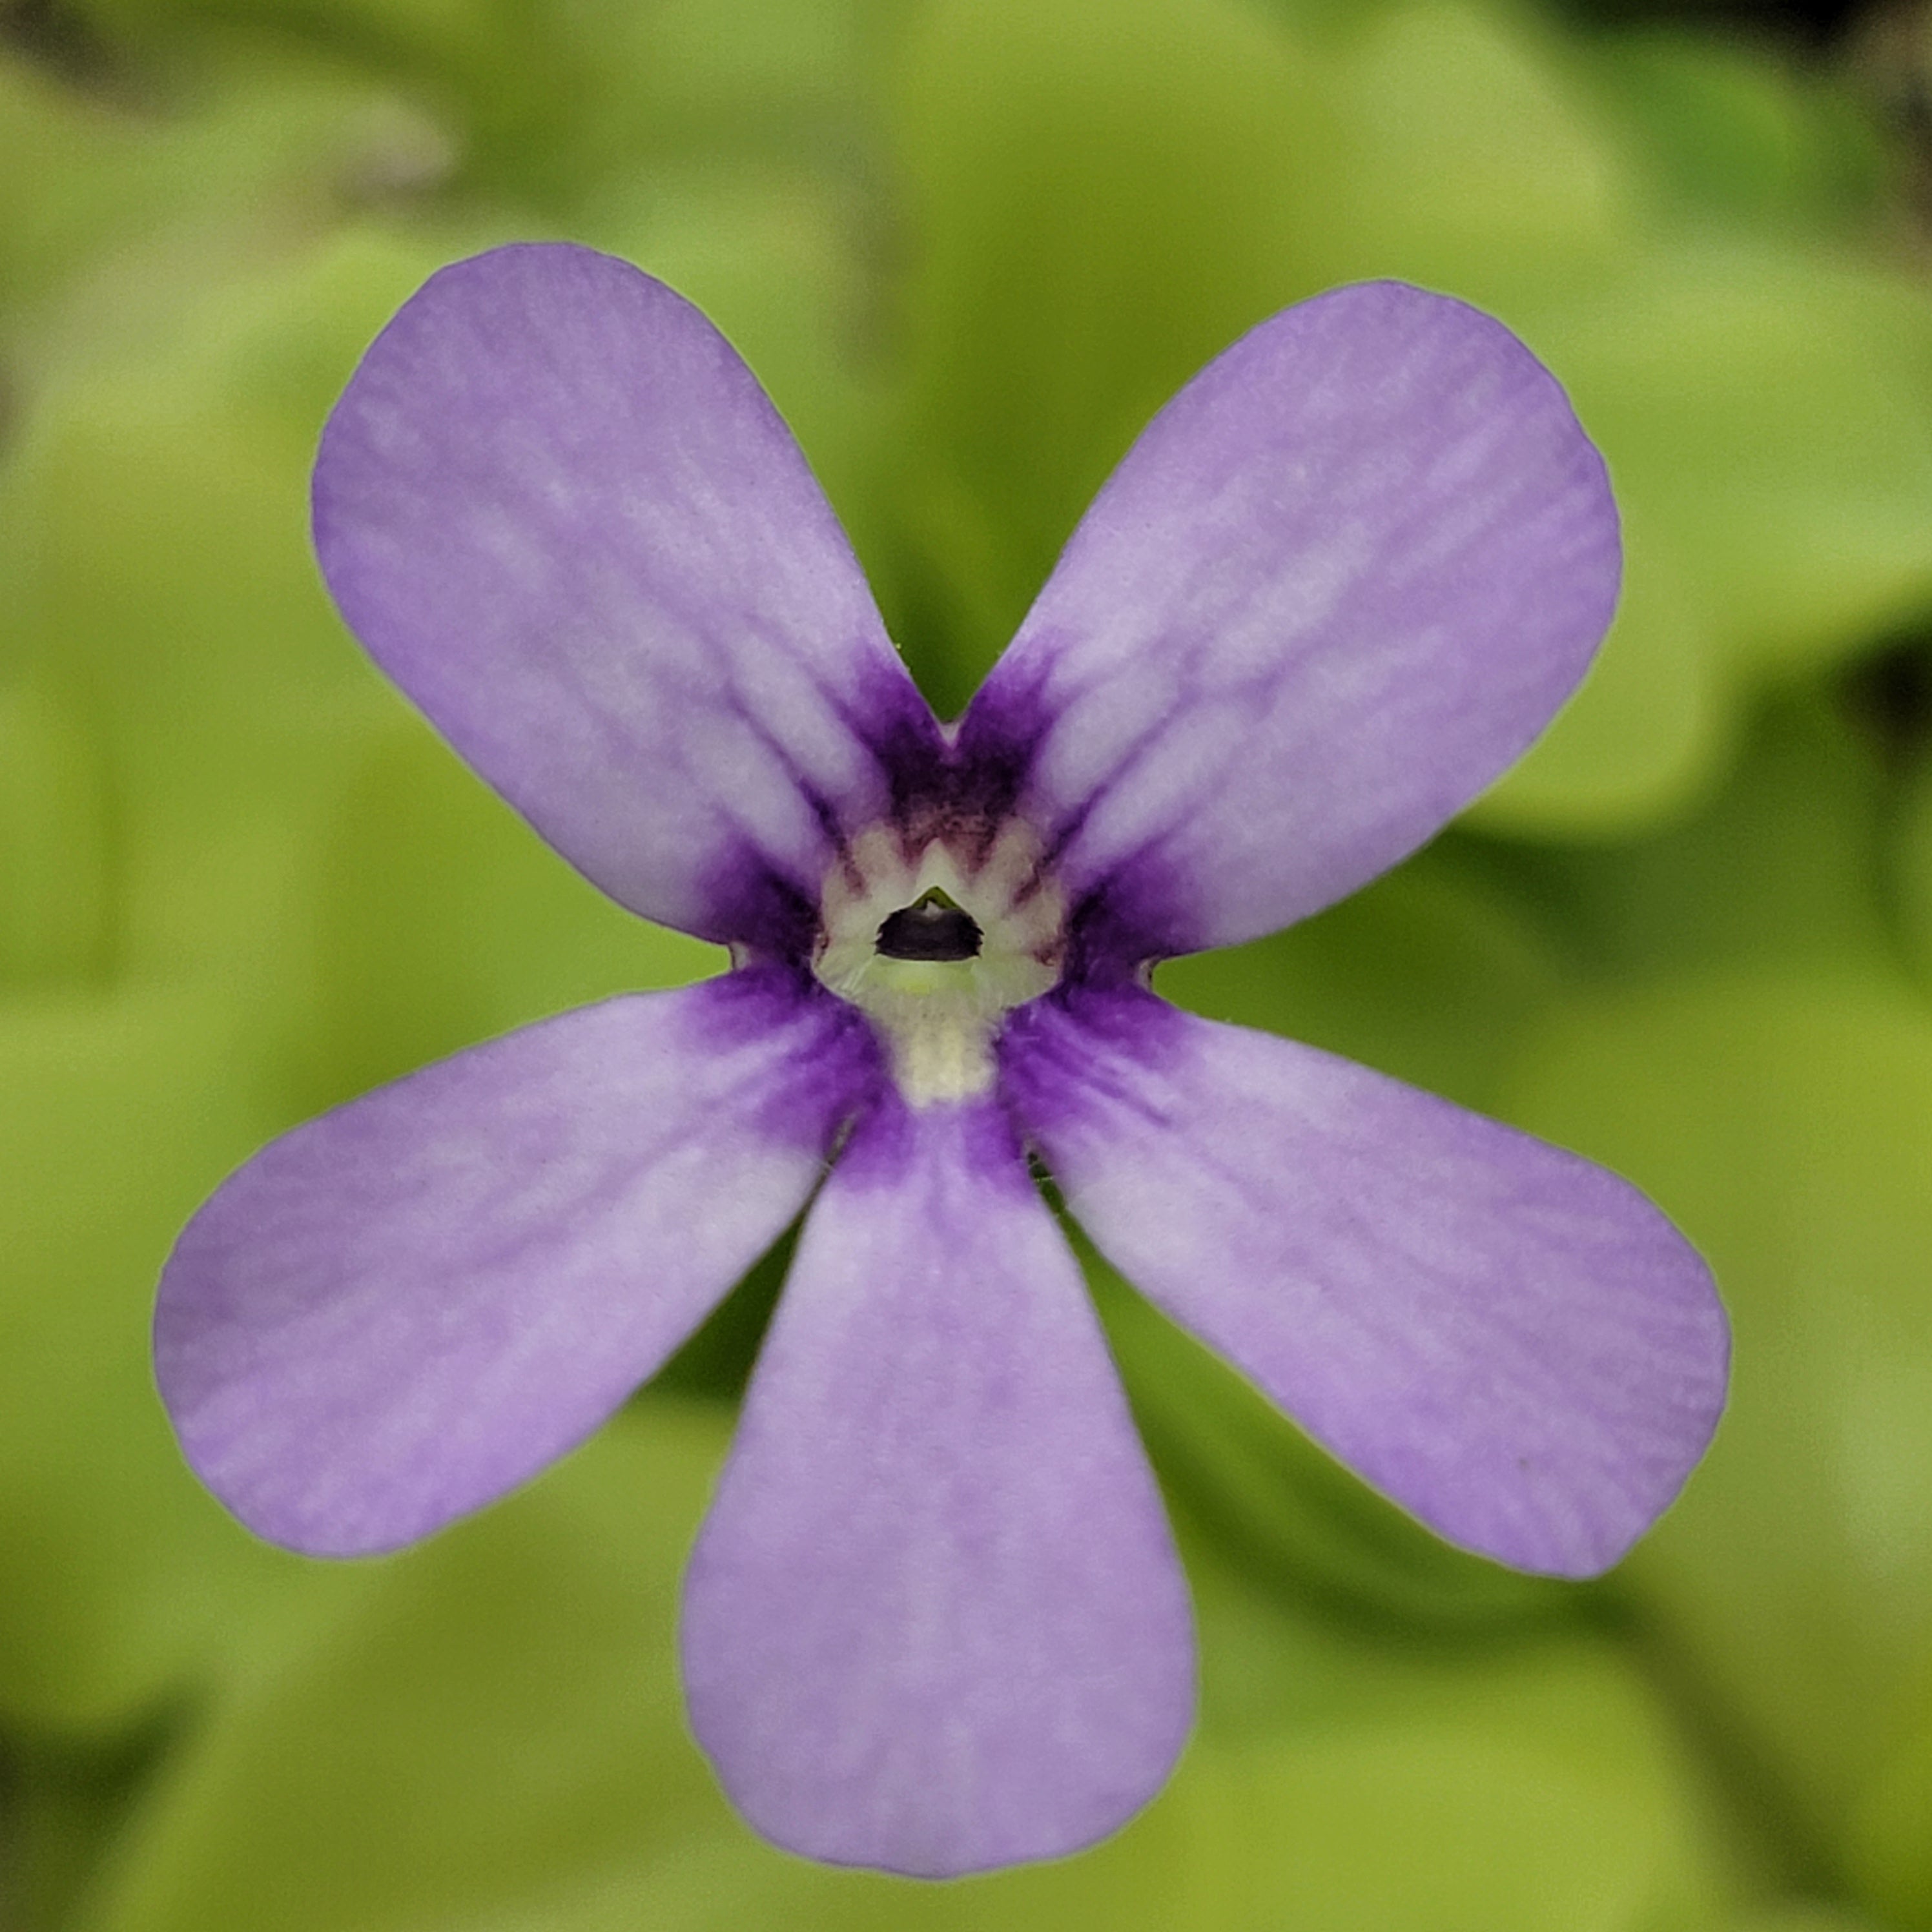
(1507, 1339)
(561, 513)
(395, 1313)
(1336, 587)
(934, 1623)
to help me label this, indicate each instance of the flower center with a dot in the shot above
(934, 942)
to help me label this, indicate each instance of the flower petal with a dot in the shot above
(1336, 587)
(561, 514)
(1508, 1340)
(934, 1622)
(396, 1312)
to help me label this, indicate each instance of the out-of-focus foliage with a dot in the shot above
(493, 1724)
(1759, 386)
(1796, 1574)
(970, 245)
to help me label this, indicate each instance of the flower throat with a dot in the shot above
(935, 942)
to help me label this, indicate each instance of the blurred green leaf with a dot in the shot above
(1910, 871)
(1539, 1793)
(122, 1576)
(64, 1803)
(1774, 411)
(1781, 1119)
(444, 919)
(1767, 417)
(1892, 1830)
(56, 860)
(1430, 974)
(120, 209)
(1544, 1790)
(162, 565)
(543, 99)
(486, 1734)
(1103, 196)
(496, 69)
(1730, 128)
(1806, 1915)
(267, 355)
(479, 1717)
(1473, 158)
(1783, 867)
(160, 591)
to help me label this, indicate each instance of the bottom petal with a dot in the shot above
(1507, 1339)
(396, 1312)
(934, 1622)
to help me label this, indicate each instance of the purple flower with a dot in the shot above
(934, 1622)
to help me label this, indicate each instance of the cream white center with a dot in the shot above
(937, 1017)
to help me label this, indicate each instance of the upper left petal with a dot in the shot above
(560, 512)
(398, 1311)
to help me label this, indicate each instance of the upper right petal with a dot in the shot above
(1335, 588)
(560, 512)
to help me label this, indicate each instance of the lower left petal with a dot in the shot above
(402, 1309)
(935, 1623)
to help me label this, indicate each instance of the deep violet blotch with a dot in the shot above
(934, 1622)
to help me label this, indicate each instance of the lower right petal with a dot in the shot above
(1507, 1340)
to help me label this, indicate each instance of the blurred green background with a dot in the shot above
(970, 245)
